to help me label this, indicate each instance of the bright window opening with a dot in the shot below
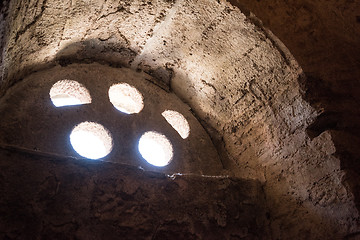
(156, 149)
(68, 93)
(178, 122)
(126, 98)
(65, 100)
(91, 140)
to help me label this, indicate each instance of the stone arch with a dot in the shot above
(248, 99)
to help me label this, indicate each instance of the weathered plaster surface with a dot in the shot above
(239, 80)
(28, 125)
(58, 198)
(324, 37)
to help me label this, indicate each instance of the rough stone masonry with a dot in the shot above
(277, 181)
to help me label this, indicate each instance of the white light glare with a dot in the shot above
(126, 98)
(65, 100)
(68, 93)
(91, 140)
(178, 122)
(156, 149)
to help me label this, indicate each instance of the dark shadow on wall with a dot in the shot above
(113, 54)
(94, 50)
(56, 197)
(49, 197)
(341, 116)
(108, 52)
(328, 56)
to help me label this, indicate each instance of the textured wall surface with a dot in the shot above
(4, 7)
(324, 37)
(28, 124)
(269, 121)
(54, 198)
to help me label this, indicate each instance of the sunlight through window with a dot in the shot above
(126, 98)
(68, 93)
(178, 122)
(91, 140)
(156, 149)
(65, 100)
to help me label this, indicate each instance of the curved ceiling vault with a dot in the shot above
(238, 78)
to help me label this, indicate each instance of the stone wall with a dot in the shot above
(241, 82)
(47, 197)
(27, 119)
(324, 37)
(4, 6)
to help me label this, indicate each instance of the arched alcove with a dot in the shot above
(109, 111)
(238, 79)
